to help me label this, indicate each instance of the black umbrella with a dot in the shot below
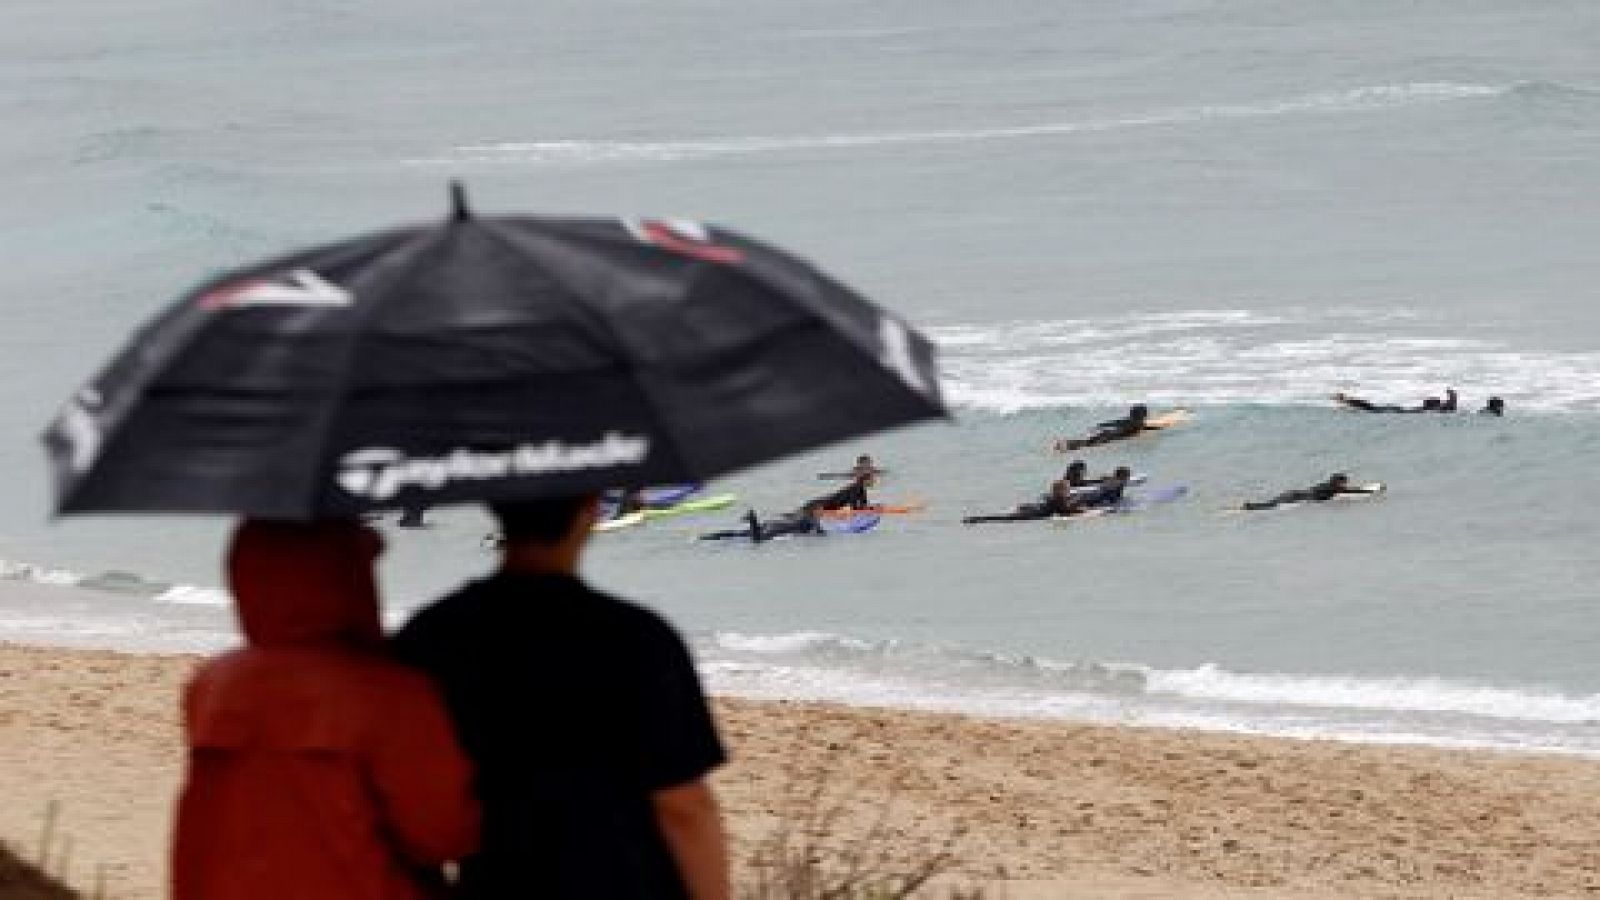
(482, 359)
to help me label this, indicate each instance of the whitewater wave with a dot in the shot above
(1239, 356)
(114, 582)
(599, 152)
(820, 666)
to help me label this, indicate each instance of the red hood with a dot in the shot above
(305, 583)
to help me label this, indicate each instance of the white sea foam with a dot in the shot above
(596, 152)
(21, 571)
(815, 665)
(1238, 356)
(195, 596)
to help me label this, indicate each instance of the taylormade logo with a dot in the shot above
(379, 473)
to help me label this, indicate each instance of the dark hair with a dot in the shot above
(1077, 465)
(1338, 476)
(1123, 472)
(1138, 409)
(544, 521)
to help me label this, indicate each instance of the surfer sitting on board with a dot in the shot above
(1431, 404)
(1337, 483)
(851, 496)
(1131, 425)
(1059, 502)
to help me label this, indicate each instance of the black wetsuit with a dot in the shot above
(757, 531)
(851, 496)
(1315, 494)
(1047, 507)
(1106, 432)
(411, 516)
(1108, 494)
(1369, 406)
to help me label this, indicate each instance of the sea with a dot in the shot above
(1234, 206)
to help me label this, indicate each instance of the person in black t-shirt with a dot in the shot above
(587, 723)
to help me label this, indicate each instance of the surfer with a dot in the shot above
(1337, 483)
(1059, 502)
(1431, 404)
(801, 521)
(1136, 422)
(1110, 491)
(1495, 407)
(1077, 475)
(851, 496)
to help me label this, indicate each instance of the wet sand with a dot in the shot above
(1030, 809)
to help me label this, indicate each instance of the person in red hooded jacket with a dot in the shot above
(318, 767)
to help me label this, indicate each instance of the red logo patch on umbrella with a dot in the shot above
(302, 287)
(683, 237)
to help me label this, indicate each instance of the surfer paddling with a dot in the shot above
(1337, 483)
(1136, 422)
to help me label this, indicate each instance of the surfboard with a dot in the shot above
(882, 509)
(856, 523)
(1170, 418)
(668, 495)
(698, 504)
(620, 522)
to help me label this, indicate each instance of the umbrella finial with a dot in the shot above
(459, 210)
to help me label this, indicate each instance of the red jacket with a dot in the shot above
(318, 768)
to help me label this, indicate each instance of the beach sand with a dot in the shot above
(1031, 809)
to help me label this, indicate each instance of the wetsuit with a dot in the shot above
(1106, 432)
(1108, 494)
(851, 496)
(411, 516)
(1449, 404)
(1369, 406)
(757, 531)
(1047, 507)
(1315, 494)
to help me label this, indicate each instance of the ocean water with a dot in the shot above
(1237, 207)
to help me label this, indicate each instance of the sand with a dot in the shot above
(1030, 809)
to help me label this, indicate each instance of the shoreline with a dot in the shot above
(1039, 808)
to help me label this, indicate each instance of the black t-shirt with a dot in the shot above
(575, 707)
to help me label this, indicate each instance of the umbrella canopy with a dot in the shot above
(484, 358)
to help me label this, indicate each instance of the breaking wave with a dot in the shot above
(1426, 710)
(114, 582)
(597, 152)
(1238, 356)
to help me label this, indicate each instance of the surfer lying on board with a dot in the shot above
(1059, 502)
(803, 521)
(1337, 483)
(1131, 425)
(1431, 404)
